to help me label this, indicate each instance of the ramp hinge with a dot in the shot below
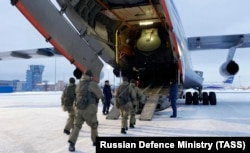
(48, 39)
(83, 32)
(63, 8)
(13, 2)
(100, 52)
(72, 61)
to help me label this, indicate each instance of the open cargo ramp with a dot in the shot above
(73, 42)
(149, 107)
(156, 99)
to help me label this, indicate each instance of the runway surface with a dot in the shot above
(34, 122)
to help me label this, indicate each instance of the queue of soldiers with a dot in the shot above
(81, 103)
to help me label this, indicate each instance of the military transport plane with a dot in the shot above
(140, 39)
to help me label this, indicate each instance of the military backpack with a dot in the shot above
(68, 95)
(82, 100)
(122, 95)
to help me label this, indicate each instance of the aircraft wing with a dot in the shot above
(30, 53)
(218, 42)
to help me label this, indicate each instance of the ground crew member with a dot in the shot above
(88, 94)
(67, 100)
(135, 104)
(173, 94)
(125, 96)
(108, 96)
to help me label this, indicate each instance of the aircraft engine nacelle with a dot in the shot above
(229, 68)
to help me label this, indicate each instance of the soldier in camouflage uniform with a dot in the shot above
(135, 103)
(88, 94)
(125, 96)
(67, 100)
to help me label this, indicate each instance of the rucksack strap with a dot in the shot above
(123, 91)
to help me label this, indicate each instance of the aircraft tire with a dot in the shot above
(189, 98)
(205, 98)
(195, 98)
(212, 98)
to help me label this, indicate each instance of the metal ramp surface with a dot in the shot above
(149, 108)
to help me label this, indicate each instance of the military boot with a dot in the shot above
(71, 146)
(123, 131)
(131, 126)
(66, 131)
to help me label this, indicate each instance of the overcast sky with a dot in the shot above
(206, 17)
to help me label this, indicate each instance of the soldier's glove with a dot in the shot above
(134, 106)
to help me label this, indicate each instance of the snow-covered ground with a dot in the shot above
(34, 122)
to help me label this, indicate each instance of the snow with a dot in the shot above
(33, 122)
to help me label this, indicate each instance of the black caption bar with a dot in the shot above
(173, 144)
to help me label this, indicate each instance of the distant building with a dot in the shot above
(46, 86)
(7, 86)
(6, 89)
(60, 85)
(34, 78)
(34, 82)
(21, 86)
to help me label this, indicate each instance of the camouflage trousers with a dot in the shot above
(125, 112)
(70, 120)
(89, 115)
(133, 111)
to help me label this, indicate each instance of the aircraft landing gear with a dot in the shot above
(200, 97)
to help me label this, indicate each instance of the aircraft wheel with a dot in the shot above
(212, 98)
(205, 98)
(188, 98)
(195, 98)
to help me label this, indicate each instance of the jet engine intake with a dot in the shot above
(229, 68)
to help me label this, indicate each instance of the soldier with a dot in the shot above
(125, 95)
(133, 111)
(67, 100)
(88, 94)
(108, 96)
